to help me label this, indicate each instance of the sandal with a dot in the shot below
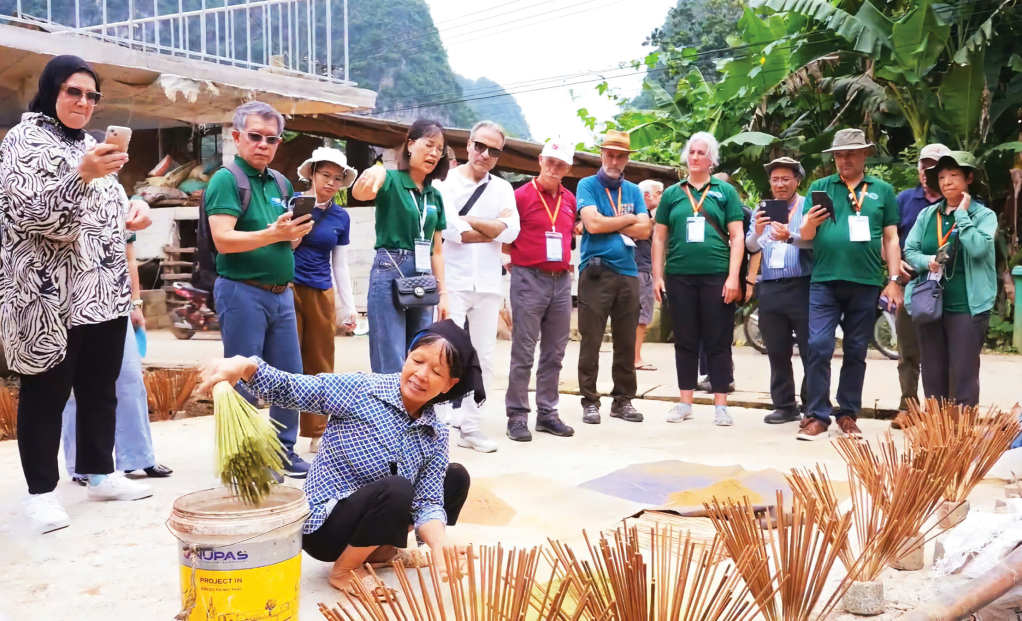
(379, 591)
(410, 559)
(645, 367)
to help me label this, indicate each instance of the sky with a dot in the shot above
(557, 49)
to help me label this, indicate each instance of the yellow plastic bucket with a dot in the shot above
(240, 563)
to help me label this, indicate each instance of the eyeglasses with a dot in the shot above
(328, 177)
(482, 149)
(92, 97)
(256, 137)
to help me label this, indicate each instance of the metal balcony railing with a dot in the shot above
(286, 36)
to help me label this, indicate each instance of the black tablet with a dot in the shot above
(776, 210)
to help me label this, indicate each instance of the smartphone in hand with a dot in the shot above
(776, 210)
(822, 199)
(302, 206)
(119, 137)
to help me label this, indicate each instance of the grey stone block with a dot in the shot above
(865, 598)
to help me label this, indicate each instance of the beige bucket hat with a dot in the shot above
(849, 140)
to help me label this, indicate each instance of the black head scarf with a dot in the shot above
(471, 380)
(57, 72)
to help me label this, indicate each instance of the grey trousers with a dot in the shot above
(950, 350)
(540, 311)
(908, 357)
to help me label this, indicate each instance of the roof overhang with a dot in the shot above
(170, 87)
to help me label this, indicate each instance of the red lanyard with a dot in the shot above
(617, 210)
(697, 207)
(552, 214)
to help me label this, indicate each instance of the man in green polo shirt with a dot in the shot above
(848, 252)
(255, 261)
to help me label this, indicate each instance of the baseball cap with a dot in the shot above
(560, 149)
(933, 152)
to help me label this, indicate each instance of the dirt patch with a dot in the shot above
(485, 508)
(728, 489)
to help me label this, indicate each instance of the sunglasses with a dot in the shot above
(482, 149)
(257, 138)
(74, 92)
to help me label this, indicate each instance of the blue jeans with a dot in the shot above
(133, 444)
(257, 322)
(853, 306)
(391, 329)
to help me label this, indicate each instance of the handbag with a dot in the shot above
(927, 302)
(414, 291)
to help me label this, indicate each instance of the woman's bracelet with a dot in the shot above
(442, 293)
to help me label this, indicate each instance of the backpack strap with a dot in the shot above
(281, 182)
(716, 227)
(244, 186)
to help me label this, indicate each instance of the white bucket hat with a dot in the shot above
(326, 154)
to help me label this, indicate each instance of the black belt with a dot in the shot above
(265, 287)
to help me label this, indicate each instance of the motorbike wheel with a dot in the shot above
(885, 338)
(181, 333)
(752, 334)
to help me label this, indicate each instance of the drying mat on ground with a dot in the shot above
(682, 487)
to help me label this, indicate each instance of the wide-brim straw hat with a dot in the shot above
(333, 156)
(786, 162)
(617, 141)
(957, 159)
(849, 140)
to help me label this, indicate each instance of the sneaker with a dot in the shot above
(296, 467)
(721, 418)
(476, 441)
(45, 512)
(812, 429)
(518, 430)
(554, 426)
(846, 426)
(591, 415)
(778, 417)
(901, 421)
(314, 445)
(625, 412)
(118, 487)
(158, 471)
(680, 412)
(80, 480)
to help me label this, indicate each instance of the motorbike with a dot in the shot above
(196, 315)
(884, 339)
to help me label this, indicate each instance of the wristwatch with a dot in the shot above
(790, 240)
(136, 304)
(896, 279)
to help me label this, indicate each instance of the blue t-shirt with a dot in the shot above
(910, 204)
(312, 256)
(609, 247)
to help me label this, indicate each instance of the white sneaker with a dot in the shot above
(117, 487)
(679, 413)
(722, 419)
(314, 445)
(476, 441)
(46, 512)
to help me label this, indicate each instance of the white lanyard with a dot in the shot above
(422, 213)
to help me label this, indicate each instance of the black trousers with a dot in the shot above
(380, 514)
(90, 366)
(950, 349)
(604, 293)
(783, 310)
(699, 316)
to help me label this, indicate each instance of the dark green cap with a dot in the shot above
(955, 159)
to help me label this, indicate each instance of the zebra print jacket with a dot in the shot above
(62, 248)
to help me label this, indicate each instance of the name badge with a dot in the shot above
(696, 229)
(554, 247)
(627, 240)
(858, 228)
(422, 256)
(776, 257)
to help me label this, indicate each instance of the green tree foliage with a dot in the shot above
(489, 100)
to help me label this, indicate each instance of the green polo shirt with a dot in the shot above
(399, 210)
(956, 292)
(271, 265)
(712, 256)
(835, 256)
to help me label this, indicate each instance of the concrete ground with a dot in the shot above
(117, 560)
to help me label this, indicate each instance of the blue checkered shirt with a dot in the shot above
(369, 430)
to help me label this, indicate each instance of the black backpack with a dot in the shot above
(204, 272)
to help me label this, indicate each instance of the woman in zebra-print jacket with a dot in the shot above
(64, 283)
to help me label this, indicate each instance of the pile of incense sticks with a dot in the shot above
(248, 451)
(975, 441)
(168, 390)
(791, 567)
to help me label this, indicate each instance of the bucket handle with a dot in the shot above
(193, 553)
